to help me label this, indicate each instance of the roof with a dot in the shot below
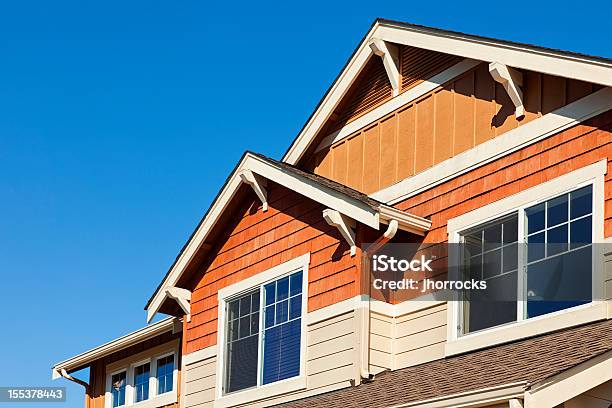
(145, 333)
(550, 61)
(527, 361)
(331, 194)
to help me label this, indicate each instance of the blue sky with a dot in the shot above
(119, 121)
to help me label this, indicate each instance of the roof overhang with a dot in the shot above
(82, 360)
(513, 55)
(254, 170)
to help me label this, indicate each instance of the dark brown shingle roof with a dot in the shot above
(530, 360)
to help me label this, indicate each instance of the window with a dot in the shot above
(165, 374)
(118, 384)
(148, 383)
(141, 382)
(552, 273)
(264, 334)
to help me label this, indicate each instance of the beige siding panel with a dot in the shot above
(380, 359)
(338, 359)
(405, 143)
(199, 384)
(333, 376)
(388, 151)
(334, 345)
(381, 343)
(355, 159)
(424, 134)
(421, 324)
(420, 356)
(421, 339)
(371, 164)
(444, 117)
(464, 114)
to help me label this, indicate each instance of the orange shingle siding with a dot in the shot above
(564, 152)
(292, 226)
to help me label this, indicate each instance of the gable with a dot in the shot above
(457, 116)
(385, 35)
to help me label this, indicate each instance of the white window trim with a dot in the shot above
(229, 292)
(128, 365)
(594, 175)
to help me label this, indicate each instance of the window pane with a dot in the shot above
(255, 302)
(233, 309)
(270, 316)
(535, 218)
(581, 232)
(493, 237)
(281, 344)
(473, 243)
(581, 202)
(535, 247)
(295, 284)
(557, 210)
(118, 382)
(492, 264)
(282, 289)
(242, 346)
(141, 382)
(270, 293)
(165, 373)
(510, 231)
(282, 311)
(295, 307)
(510, 258)
(560, 282)
(557, 240)
(492, 307)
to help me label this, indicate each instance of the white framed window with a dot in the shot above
(262, 334)
(146, 380)
(528, 248)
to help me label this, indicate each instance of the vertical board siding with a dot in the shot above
(372, 87)
(292, 226)
(467, 111)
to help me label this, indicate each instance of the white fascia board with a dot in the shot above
(140, 335)
(331, 100)
(407, 222)
(517, 56)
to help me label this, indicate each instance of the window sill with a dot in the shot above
(596, 310)
(157, 401)
(263, 392)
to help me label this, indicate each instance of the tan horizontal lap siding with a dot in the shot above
(199, 383)
(467, 111)
(562, 153)
(292, 226)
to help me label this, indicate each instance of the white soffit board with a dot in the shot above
(536, 59)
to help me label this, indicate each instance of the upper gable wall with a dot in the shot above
(459, 115)
(372, 87)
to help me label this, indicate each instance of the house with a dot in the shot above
(426, 137)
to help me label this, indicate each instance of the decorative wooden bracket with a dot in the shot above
(390, 56)
(345, 226)
(258, 184)
(182, 297)
(512, 80)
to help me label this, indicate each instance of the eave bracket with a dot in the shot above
(390, 56)
(344, 225)
(258, 184)
(182, 297)
(512, 80)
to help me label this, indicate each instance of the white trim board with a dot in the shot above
(509, 142)
(536, 59)
(403, 99)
